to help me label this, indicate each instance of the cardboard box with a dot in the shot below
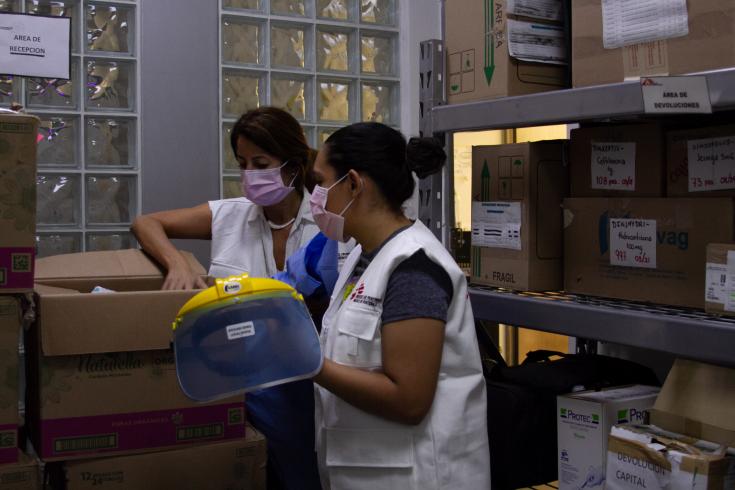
(583, 424)
(659, 257)
(677, 162)
(10, 325)
(619, 160)
(235, 465)
(517, 191)
(23, 475)
(698, 400)
(719, 299)
(710, 45)
(479, 65)
(17, 201)
(101, 374)
(648, 457)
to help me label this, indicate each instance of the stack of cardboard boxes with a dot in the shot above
(501, 48)
(103, 389)
(623, 238)
(644, 206)
(689, 443)
(17, 241)
(103, 407)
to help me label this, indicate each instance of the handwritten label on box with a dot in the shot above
(613, 166)
(711, 164)
(633, 243)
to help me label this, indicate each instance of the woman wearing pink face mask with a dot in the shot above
(401, 399)
(255, 234)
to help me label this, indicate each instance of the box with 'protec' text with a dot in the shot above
(584, 421)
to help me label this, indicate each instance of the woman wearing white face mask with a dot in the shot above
(255, 234)
(401, 402)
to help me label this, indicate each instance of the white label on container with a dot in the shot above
(730, 282)
(35, 46)
(711, 164)
(537, 43)
(240, 330)
(633, 242)
(716, 281)
(496, 225)
(676, 95)
(536, 9)
(627, 22)
(613, 166)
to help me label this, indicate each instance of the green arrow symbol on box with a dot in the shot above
(489, 44)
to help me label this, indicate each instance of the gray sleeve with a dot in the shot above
(417, 288)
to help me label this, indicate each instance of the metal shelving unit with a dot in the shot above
(678, 331)
(615, 101)
(681, 332)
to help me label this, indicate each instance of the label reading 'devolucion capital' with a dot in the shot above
(633, 243)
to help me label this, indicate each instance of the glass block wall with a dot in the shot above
(88, 180)
(327, 62)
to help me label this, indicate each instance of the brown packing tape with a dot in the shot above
(651, 58)
(638, 451)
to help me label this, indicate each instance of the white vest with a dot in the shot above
(242, 240)
(449, 449)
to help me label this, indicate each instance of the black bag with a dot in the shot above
(521, 404)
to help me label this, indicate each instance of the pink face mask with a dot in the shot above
(265, 187)
(331, 224)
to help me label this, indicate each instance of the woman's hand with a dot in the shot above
(181, 277)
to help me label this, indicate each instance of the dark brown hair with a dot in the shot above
(279, 134)
(382, 153)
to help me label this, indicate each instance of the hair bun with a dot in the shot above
(425, 156)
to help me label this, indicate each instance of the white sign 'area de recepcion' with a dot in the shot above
(35, 46)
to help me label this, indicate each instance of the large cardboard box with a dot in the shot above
(719, 297)
(648, 457)
(235, 465)
(101, 376)
(698, 400)
(583, 424)
(617, 161)
(517, 191)
(23, 475)
(655, 253)
(479, 65)
(17, 201)
(713, 165)
(10, 325)
(710, 45)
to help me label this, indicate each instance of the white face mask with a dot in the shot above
(331, 224)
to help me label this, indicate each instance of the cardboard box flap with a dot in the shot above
(76, 324)
(698, 400)
(107, 264)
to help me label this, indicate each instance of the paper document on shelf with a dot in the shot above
(612, 165)
(536, 9)
(633, 242)
(715, 283)
(537, 43)
(730, 282)
(628, 22)
(496, 225)
(711, 164)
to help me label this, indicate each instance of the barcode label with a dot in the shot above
(90, 443)
(199, 432)
(715, 287)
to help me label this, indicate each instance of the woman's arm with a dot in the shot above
(404, 391)
(155, 231)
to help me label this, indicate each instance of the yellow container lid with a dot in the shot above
(233, 286)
